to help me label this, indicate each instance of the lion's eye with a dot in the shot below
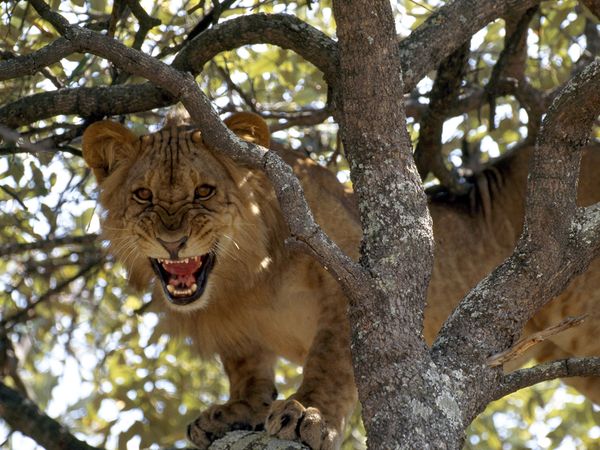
(142, 195)
(204, 192)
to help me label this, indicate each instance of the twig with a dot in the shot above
(211, 18)
(14, 195)
(9, 363)
(297, 119)
(529, 341)
(15, 137)
(248, 100)
(146, 22)
(11, 320)
(47, 145)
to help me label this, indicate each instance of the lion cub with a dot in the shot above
(207, 236)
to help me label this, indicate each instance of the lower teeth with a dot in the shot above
(181, 292)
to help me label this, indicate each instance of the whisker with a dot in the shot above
(128, 247)
(232, 240)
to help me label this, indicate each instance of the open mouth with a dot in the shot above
(183, 280)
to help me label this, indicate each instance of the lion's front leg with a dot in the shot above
(251, 393)
(316, 414)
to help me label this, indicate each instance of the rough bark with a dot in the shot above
(251, 440)
(387, 319)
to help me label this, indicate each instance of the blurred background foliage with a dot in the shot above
(92, 353)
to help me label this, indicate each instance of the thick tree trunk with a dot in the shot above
(406, 403)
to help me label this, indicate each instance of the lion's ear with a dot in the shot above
(250, 127)
(106, 143)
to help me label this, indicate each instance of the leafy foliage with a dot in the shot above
(93, 353)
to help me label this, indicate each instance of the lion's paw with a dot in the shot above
(289, 419)
(219, 419)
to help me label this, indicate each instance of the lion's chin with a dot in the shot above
(184, 280)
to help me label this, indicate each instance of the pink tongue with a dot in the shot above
(182, 274)
(185, 280)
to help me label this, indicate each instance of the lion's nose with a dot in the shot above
(173, 247)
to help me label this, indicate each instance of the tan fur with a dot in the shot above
(263, 301)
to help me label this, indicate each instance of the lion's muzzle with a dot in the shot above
(183, 280)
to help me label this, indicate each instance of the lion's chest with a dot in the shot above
(282, 320)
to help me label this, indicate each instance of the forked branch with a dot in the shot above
(558, 240)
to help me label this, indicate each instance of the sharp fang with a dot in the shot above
(194, 287)
(171, 289)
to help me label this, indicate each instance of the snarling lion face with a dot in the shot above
(177, 211)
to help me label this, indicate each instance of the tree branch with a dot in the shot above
(555, 166)
(282, 30)
(443, 96)
(23, 145)
(446, 30)
(277, 29)
(28, 311)
(422, 51)
(570, 367)
(386, 313)
(95, 102)
(23, 415)
(243, 440)
(302, 118)
(17, 247)
(210, 18)
(555, 243)
(146, 22)
(511, 63)
(32, 63)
